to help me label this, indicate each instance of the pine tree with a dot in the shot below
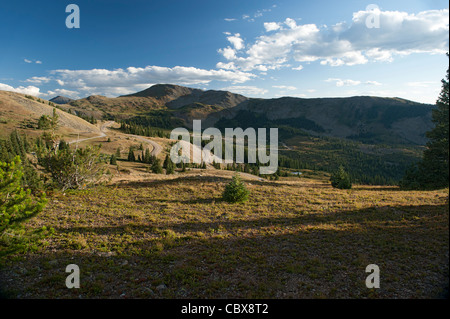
(166, 162)
(17, 206)
(113, 160)
(118, 152)
(235, 191)
(341, 179)
(170, 168)
(433, 172)
(131, 156)
(156, 167)
(435, 157)
(147, 157)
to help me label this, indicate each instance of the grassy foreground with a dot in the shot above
(176, 238)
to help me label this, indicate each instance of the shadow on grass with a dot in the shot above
(216, 179)
(366, 219)
(409, 244)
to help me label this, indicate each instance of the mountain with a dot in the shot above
(375, 138)
(366, 119)
(175, 96)
(362, 118)
(61, 100)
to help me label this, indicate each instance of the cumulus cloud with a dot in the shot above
(30, 90)
(272, 26)
(228, 53)
(236, 41)
(132, 79)
(353, 43)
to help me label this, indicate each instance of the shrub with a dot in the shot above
(72, 169)
(341, 179)
(235, 191)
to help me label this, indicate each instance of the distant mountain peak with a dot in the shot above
(61, 100)
(176, 96)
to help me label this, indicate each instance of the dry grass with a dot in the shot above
(292, 239)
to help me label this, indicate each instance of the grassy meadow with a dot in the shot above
(294, 238)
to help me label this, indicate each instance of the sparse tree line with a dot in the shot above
(136, 129)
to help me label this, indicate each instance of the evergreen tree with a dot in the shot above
(118, 152)
(147, 157)
(166, 161)
(341, 179)
(156, 167)
(433, 171)
(170, 168)
(113, 160)
(16, 206)
(131, 156)
(235, 191)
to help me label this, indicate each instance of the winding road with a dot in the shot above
(104, 128)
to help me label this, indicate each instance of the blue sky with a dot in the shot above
(258, 48)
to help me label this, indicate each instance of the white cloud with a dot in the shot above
(423, 84)
(348, 82)
(30, 61)
(38, 79)
(284, 87)
(373, 83)
(228, 53)
(272, 26)
(132, 79)
(299, 68)
(340, 82)
(236, 41)
(246, 90)
(290, 23)
(353, 43)
(31, 90)
(63, 92)
(229, 19)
